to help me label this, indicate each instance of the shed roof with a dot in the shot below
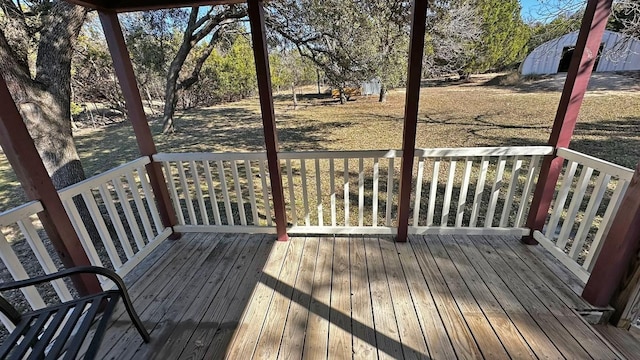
(139, 5)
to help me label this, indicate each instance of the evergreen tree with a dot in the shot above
(504, 36)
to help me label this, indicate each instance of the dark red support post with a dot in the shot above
(412, 101)
(127, 79)
(620, 248)
(594, 23)
(21, 152)
(261, 55)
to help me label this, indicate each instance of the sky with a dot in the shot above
(530, 8)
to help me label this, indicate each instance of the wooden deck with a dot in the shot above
(211, 296)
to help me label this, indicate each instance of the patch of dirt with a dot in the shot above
(600, 82)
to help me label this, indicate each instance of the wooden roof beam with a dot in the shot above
(145, 5)
(135, 110)
(594, 23)
(411, 106)
(261, 55)
(23, 156)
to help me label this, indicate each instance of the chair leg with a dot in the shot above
(134, 316)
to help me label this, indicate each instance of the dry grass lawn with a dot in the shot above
(451, 115)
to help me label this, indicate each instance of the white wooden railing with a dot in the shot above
(123, 213)
(219, 192)
(471, 190)
(341, 191)
(587, 199)
(475, 190)
(21, 226)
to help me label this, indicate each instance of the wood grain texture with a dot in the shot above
(212, 296)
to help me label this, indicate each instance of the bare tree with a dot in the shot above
(209, 26)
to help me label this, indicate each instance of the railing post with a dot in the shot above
(617, 270)
(21, 152)
(261, 55)
(411, 106)
(594, 23)
(127, 79)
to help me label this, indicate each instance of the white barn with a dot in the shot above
(618, 52)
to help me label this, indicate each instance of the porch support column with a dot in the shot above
(616, 273)
(412, 102)
(584, 57)
(261, 55)
(21, 152)
(133, 102)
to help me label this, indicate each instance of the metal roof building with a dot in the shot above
(618, 52)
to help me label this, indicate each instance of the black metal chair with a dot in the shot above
(45, 332)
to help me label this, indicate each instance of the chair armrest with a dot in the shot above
(64, 273)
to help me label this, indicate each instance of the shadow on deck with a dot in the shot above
(211, 296)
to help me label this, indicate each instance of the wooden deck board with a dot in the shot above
(211, 296)
(507, 332)
(364, 336)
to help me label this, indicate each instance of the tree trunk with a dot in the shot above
(318, 74)
(295, 97)
(171, 88)
(383, 93)
(45, 102)
(343, 96)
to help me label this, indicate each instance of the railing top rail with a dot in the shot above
(348, 154)
(21, 212)
(596, 164)
(355, 154)
(226, 156)
(485, 151)
(97, 180)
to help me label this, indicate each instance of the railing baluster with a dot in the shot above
(376, 176)
(186, 192)
(305, 194)
(526, 193)
(82, 232)
(589, 214)
(128, 213)
(213, 198)
(292, 197)
(495, 192)
(101, 227)
(418, 199)
(265, 193)
(462, 199)
(447, 194)
(196, 182)
(148, 196)
(574, 206)
(513, 184)
(433, 191)
(115, 220)
(477, 199)
(389, 204)
(17, 271)
(252, 192)
(361, 192)
(332, 183)
(174, 192)
(236, 185)
(319, 194)
(37, 246)
(346, 192)
(142, 211)
(225, 193)
(612, 209)
(558, 205)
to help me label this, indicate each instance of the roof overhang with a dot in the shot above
(141, 5)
